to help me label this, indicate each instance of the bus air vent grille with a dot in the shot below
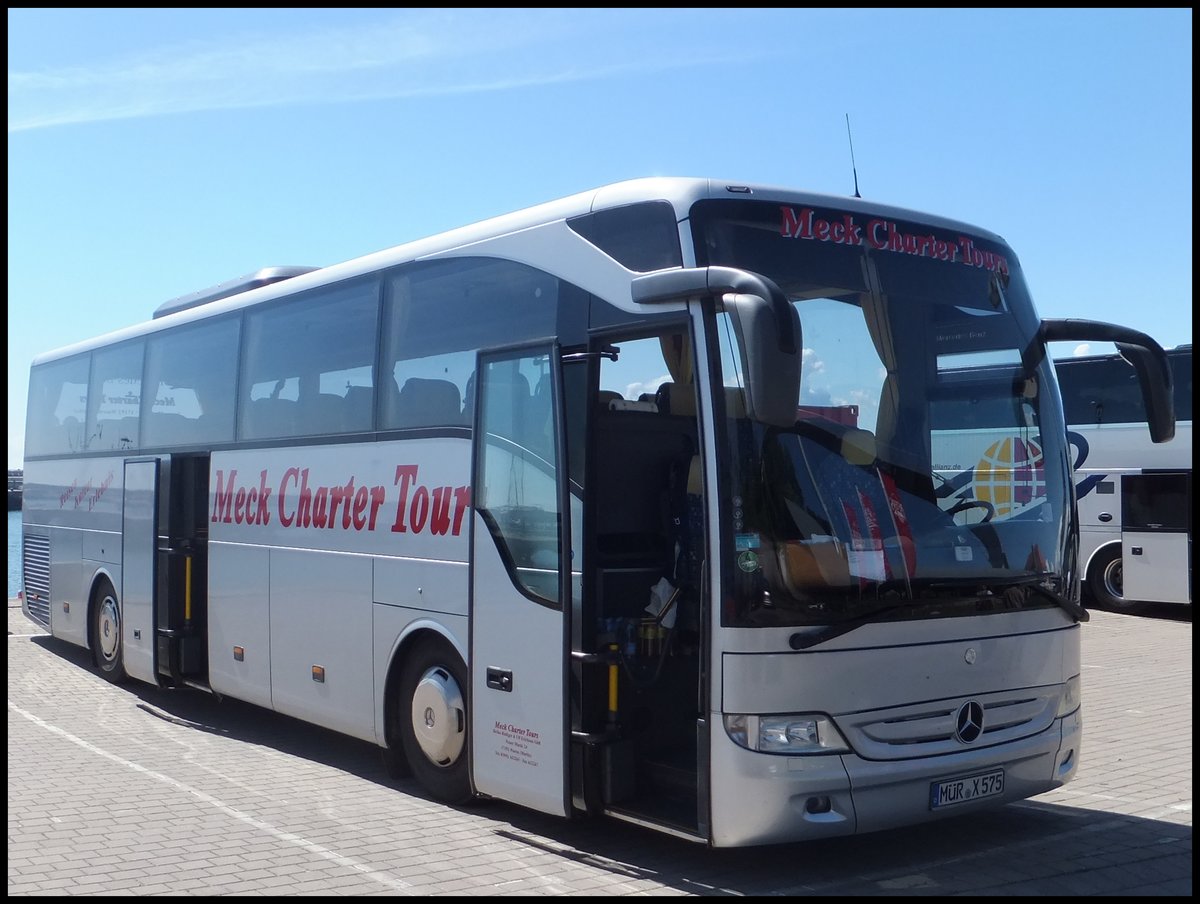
(37, 578)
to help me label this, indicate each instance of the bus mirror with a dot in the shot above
(767, 326)
(1147, 357)
(770, 356)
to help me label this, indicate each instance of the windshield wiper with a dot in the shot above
(1072, 608)
(802, 641)
(806, 640)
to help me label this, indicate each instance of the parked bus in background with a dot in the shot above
(1135, 496)
(624, 504)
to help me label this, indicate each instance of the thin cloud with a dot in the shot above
(636, 390)
(423, 56)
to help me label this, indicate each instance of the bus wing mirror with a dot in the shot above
(1147, 357)
(768, 335)
(767, 327)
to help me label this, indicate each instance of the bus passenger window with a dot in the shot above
(427, 403)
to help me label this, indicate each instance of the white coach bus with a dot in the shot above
(1135, 496)
(623, 504)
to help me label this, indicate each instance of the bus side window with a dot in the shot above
(323, 414)
(267, 417)
(428, 403)
(190, 385)
(357, 409)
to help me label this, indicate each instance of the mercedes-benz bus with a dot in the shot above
(629, 504)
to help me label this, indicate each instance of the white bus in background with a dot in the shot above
(629, 504)
(1135, 496)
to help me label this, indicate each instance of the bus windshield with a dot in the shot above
(926, 472)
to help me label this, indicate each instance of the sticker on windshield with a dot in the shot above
(748, 561)
(746, 541)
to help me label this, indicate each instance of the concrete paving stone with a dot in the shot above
(230, 815)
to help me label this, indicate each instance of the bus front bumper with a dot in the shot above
(762, 798)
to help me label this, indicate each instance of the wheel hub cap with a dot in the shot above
(109, 628)
(439, 717)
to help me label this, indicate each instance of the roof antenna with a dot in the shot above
(852, 166)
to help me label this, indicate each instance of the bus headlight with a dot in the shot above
(1071, 697)
(793, 734)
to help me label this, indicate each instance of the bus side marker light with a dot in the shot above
(239, 654)
(318, 673)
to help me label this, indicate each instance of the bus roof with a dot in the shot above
(681, 192)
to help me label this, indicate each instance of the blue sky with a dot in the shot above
(155, 152)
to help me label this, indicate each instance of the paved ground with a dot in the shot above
(136, 791)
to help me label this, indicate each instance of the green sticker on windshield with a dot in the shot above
(748, 561)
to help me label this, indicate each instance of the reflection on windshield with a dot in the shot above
(835, 516)
(926, 470)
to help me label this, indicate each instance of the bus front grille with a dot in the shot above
(929, 729)
(36, 567)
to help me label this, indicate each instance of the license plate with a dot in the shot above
(964, 790)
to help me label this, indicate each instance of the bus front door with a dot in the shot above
(520, 581)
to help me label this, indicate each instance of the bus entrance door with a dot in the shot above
(181, 600)
(520, 579)
(1156, 536)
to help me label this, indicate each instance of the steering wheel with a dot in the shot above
(989, 510)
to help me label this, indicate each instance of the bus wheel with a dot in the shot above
(107, 649)
(433, 720)
(1105, 582)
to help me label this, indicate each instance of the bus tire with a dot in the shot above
(108, 652)
(1106, 580)
(433, 720)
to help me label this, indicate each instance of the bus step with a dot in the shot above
(673, 776)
